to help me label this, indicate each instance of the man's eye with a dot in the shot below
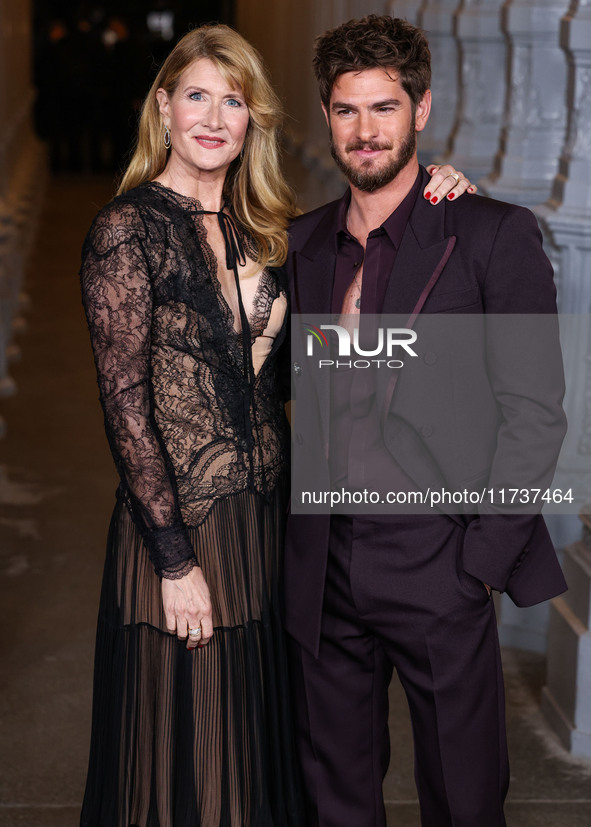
(344, 111)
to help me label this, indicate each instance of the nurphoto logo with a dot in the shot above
(386, 341)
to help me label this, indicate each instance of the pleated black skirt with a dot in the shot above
(201, 738)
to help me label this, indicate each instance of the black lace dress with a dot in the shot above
(196, 425)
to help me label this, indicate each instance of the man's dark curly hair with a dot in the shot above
(374, 41)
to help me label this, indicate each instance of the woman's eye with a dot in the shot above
(233, 102)
(196, 96)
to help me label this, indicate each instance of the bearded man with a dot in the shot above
(367, 594)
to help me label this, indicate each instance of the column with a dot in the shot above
(566, 698)
(566, 218)
(10, 270)
(536, 115)
(292, 28)
(482, 50)
(407, 10)
(22, 175)
(437, 19)
(324, 181)
(9, 274)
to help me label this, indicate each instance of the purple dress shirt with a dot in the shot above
(358, 457)
(378, 258)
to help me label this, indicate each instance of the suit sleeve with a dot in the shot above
(524, 364)
(519, 276)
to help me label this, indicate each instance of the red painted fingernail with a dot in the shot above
(427, 195)
(451, 195)
(434, 200)
(201, 646)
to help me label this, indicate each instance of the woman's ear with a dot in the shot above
(163, 104)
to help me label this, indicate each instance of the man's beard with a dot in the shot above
(365, 178)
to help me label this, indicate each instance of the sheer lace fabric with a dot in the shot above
(198, 433)
(185, 422)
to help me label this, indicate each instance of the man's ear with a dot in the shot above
(422, 111)
(325, 110)
(163, 104)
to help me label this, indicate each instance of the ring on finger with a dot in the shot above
(455, 176)
(195, 632)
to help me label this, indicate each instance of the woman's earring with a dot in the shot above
(167, 138)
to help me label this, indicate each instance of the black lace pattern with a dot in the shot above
(187, 418)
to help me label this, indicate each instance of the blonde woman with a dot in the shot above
(187, 311)
(187, 314)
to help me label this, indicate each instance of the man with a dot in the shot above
(368, 594)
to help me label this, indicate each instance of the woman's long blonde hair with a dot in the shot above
(255, 187)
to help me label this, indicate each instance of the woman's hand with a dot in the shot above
(446, 181)
(187, 605)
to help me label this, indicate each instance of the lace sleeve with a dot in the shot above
(117, 298)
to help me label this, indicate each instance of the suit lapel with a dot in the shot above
(423, 247)
(420, 261)
(314, 266)
(313, 280)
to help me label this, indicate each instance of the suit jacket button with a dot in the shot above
(426, 430)
(430, 358)
(297, 368)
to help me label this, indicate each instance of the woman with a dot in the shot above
(187, 312)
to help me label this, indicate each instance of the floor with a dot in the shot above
(56, 493)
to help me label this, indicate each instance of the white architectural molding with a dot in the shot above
(483, 86)
(536, 113)
(438, 21)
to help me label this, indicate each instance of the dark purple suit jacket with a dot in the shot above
(475, 255)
